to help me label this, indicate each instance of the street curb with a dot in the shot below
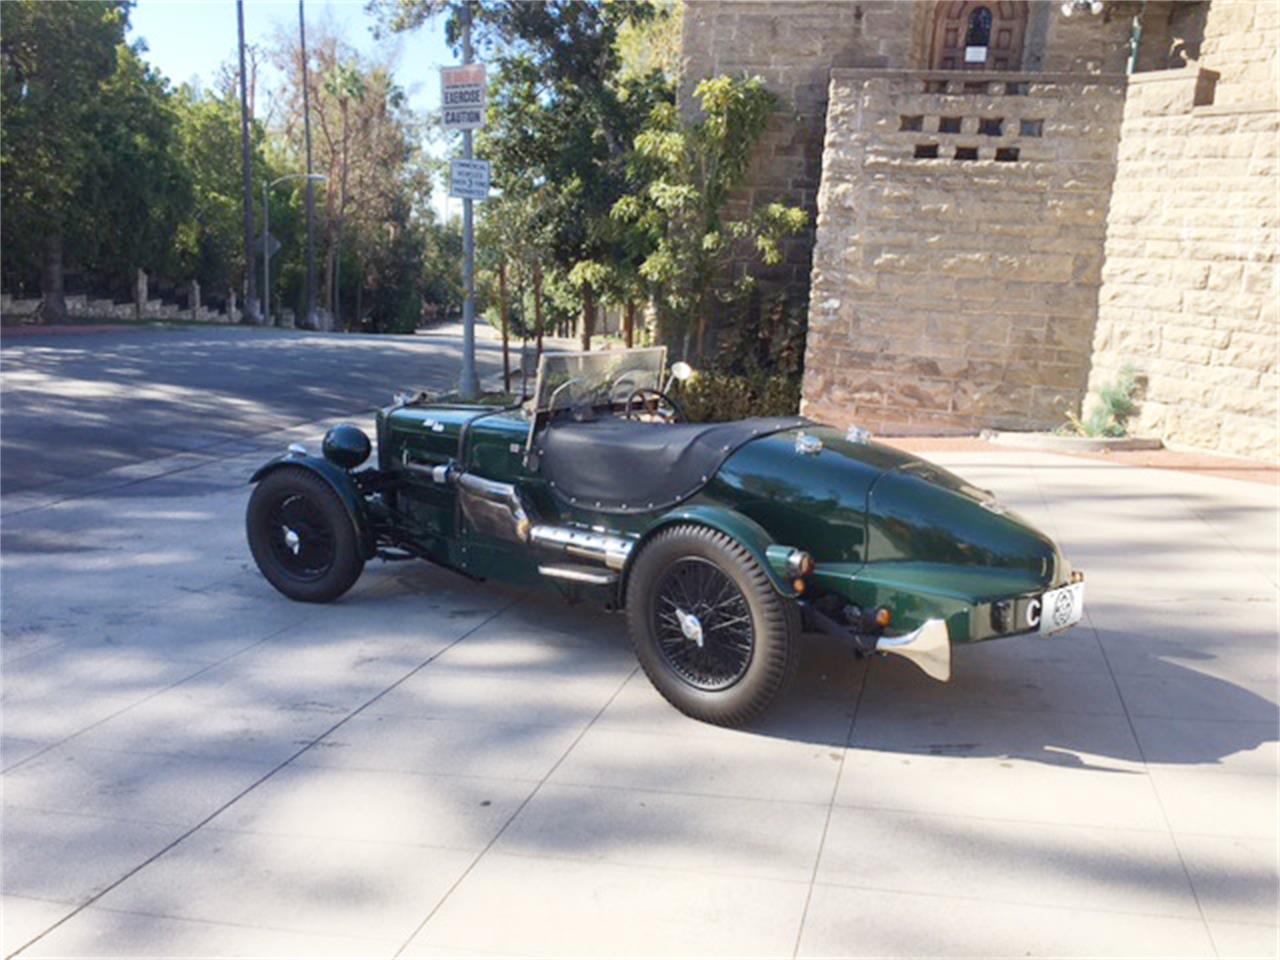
(1067, 444)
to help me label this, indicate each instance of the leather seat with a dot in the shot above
(629, 466)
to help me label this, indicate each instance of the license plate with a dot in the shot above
(1061, 608)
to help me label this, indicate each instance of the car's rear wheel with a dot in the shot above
(301, 536)
(712, 634)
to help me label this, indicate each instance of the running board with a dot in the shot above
(591, 575)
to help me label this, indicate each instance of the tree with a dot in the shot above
(441, 267)
(684, 174)
(375, 200)
(54, 59)
(653, 44)
(138, 190)
(208, 241)
(561, 118)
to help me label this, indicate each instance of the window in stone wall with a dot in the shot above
(978, 35)
(926, 151)
(1030, 128)
(1006, 154)
(949, 124)
(911, 123)
(966, 153)
(991, 126)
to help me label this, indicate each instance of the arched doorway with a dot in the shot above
(978, 35)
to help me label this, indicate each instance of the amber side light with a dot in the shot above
(799, 586)
(883, 617)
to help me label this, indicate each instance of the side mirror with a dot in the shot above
(681, 371)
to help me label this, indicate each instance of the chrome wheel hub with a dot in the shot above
(690, 626)
(292, 540)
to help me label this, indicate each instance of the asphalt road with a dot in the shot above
(76, 405)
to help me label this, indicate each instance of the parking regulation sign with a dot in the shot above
(462, 97)
(469, 179)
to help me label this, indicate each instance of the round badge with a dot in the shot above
(1062, 609)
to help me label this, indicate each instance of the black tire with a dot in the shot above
(706, 675)
(322, 559)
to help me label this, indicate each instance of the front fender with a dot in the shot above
(340, 482)
(741, 528)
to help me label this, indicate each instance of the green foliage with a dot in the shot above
(712, 396)
(653, 44)
(441, 272)
(208, 241)
(1116, 403)
(54, 60)
(767, 336)
(684, 174)
(137, 192)
(562, 118)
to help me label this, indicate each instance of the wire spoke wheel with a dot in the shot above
(703, 625)
(713, 635)
(301, 536)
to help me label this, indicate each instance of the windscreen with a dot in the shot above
(567, 380)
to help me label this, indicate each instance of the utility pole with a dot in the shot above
(309, 305)
(469, 382)
(250, 293)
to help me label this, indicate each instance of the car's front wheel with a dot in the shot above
(301, 536)
(712, 634)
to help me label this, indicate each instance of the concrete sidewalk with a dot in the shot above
(195, 766)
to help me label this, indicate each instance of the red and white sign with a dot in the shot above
(462, 97)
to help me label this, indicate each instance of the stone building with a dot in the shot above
(1014, 200)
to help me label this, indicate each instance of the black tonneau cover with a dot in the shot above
(629, 466)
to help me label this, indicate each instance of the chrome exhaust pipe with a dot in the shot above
(929, 648)
(583, 544)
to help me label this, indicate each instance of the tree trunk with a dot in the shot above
(700, 338)
(55, 302)
(502, 319)
(359, 297)
(537, 304)
(629, 323)
(588, 315)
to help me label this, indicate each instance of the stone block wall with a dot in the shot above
(1084, 43)
(1241, 38)
(1190, 288)
(956, 274)
(794, 45)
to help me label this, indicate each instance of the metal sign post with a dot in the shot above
(463, 106)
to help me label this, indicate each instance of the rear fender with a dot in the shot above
(339, 481)
(745, 531)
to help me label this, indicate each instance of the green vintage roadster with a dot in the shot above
(722, 542)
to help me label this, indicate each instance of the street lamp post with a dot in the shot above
(266, 234)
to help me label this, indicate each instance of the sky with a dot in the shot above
(188, 40)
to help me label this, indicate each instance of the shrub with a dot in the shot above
(710, 396)
(1109, 415)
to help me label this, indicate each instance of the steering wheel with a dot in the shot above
(674, 413)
